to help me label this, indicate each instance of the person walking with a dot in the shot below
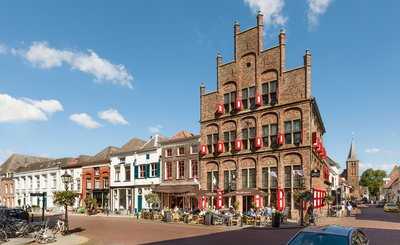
(349, 209)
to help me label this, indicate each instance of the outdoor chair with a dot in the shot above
(217, 220)
(261, 220)
(235, 220)
(248, 220)
(176, 217)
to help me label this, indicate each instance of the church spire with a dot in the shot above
(352, 152)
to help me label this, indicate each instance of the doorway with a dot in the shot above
(247, 202)
(140, 202)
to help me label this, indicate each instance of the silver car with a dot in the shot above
(329, 235)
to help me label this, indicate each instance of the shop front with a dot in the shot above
(178, 196)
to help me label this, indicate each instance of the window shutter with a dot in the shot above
(158, 166)
(147, 170)
(136, 172)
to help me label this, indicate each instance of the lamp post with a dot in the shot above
(66, 179)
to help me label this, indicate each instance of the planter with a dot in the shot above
(208, 218)
(168, 217)
(276, 220)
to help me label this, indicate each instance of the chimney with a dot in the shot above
(282, 48)
(260, 18)
(236, 30)
(219, 59)
(307, 67)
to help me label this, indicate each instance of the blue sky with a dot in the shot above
(129, 68)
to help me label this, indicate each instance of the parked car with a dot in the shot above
(391, 207)
(329, 235)
(380, 204)
(16, 213)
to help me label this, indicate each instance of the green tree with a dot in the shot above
(152, 199)
(373, 179)
(65, 199)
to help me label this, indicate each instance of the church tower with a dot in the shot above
(352, 168)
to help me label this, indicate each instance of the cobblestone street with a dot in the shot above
(381, 228)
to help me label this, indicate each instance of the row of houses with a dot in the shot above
(261, 140)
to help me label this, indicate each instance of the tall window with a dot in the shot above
(229, 140)
(194, 168)
(269, 93)
(37, 182)
(270, 132)
(168, 172)
(265, 178)
(153, 172)
(248, 135)
(147, 156)
(169, 152)
(249, 178)
(181, 169)
(288, 176)
(106, 183)
(293, 132)
(249, 97)
(194, 149)
(229, 101)
(212, 180)
(273, 173)
(142, 171)
(181, 150)
(117, 173)
(97, 183)
(88, 183)
(229, 180)
(212, 141)
(127, 173)
(297, 176)
(53, 181)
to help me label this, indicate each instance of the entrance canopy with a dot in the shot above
(245, 192)
(177, 189)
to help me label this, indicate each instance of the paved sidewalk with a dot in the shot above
(72, 239)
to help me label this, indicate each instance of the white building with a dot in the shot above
(134, 170)
(73, 168)
(41, 177)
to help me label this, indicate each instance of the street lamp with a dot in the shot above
(66, 179)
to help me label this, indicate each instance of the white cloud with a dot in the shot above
(84, 120)
(383, 166)
(155, 129)
(271, 9)
(372, 150)
(112, 116)
(19, 110)
(316, 8)
(45, 57)
(3, 49)
(48, 106)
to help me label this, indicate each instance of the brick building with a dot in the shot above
(261, 130)
(179, 185)
(7, 190)
(96, 176)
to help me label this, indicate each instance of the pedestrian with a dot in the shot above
(349, 208)
(311, 215)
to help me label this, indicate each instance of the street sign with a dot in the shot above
(315, 173)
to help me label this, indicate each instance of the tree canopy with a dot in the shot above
(373, 179)
(65, 198)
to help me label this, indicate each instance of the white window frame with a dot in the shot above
(153, 169)
(140, 171)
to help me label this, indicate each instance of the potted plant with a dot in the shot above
(276, 219)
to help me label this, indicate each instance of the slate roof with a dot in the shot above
(133, 145)
(53, 163)
(16, 161)
(102, 157)
(352, 156)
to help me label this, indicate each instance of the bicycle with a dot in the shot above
(44, 235)
(60, 227)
